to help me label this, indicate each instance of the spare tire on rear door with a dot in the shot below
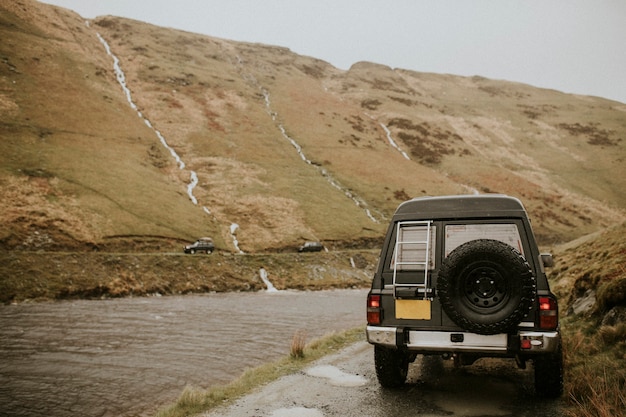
(486, 286)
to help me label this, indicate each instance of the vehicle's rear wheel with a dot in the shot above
(392, 366)
(549, 374)
(486, 286)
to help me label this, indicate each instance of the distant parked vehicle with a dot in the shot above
(204, 244)
(311, 247)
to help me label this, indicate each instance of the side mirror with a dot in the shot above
(547, 260)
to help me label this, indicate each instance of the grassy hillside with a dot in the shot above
(76, 166)
(287, 147)
(594, 268)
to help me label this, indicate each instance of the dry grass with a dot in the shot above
(298, 343)
(595, 379)
(595, 354)
(602, 399)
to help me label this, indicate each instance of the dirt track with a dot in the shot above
(62, 275)
(349, 389)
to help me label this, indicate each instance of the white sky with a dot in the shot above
(575, 46)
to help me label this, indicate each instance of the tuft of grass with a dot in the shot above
(613, 335)
(195, 400)
(599, 393)
(612, 293)
(595, 366)
(298, 343)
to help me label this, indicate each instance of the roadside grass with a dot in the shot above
(195, 400)
(595, 368)
(594, 344)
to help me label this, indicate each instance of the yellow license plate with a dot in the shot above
(413, 309)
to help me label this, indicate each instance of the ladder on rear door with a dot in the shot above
(403, 259)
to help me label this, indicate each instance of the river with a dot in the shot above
(131, 356)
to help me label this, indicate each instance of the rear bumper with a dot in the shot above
(525, 341)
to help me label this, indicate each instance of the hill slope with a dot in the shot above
(286, 147)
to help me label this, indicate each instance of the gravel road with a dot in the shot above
(344, 384)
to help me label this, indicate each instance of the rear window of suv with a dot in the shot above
(409, 252)
(458, 234)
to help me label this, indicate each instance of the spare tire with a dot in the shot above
(486, 286)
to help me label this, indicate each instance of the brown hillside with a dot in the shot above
(80, 169)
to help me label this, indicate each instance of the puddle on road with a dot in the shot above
(472, 390)
(336, 376)
(484, 398)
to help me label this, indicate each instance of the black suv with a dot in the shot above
(462, 277)
(204, 244)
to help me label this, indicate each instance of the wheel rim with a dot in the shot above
(484, 288)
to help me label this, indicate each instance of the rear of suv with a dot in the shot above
(462, 277)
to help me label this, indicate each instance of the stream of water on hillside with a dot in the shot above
(128, 357)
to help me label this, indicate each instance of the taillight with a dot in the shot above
(548, 313)
(373, 309)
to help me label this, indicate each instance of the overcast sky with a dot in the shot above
(575, 46)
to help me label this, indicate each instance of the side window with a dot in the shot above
(458, 234)
(409, 252)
